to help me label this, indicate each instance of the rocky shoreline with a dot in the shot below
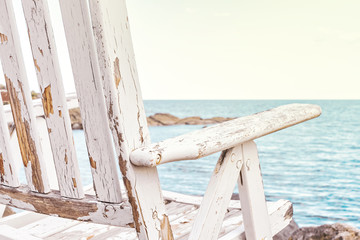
(158, 119)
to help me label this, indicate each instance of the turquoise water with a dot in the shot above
(315, 165)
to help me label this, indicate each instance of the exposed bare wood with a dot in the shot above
(53, 96)
(20, 100)
(84, 61)
(87, 209)
(8, 170)
(252, 197)
(223, 136)
(126, 114)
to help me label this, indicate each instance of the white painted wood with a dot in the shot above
(8, 170)
(89, 90)
(2, 210)
(252, 197)
(193, 200)
(218, 193)
(48, 227)
(280, 213)
(21, 219)
(223, 136)
(20, 99)
(53, 97)
(45, 144)
(9, 233)
(126, 114)
(86, 209)
(71, 102)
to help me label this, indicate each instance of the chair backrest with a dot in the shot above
(108, 91)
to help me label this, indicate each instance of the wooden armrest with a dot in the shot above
(223, 136)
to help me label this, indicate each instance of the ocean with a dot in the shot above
(315, 165)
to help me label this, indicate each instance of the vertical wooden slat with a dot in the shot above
(252, 197)
(20, 99)
(89, 89)
(53, 97)
(127, 117)
(216, 200)
(8, 172)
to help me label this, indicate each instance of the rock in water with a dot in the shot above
(163, 119)
(337, 231)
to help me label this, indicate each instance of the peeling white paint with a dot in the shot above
(225, 135)
(50, 80)
(14, 70)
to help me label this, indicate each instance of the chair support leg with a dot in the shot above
(213, 207)
(252, 197)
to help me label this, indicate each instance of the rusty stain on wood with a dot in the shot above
(36, 65)
(3, 38)
(60, 113)
(166, 232)
(26, 143)
(41, 51)
(90, 237)
(133, 203)
(49, 130)
(92, 163)
(74, 182)
(47, 101)
(86, 209)
(2, 169)
(66, 158)
(117, 74)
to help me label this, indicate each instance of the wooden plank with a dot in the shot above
(53, 97)
(127, 117)
(49, 226)
(280, 213)
(209, 220)
(84, 61)
(223, 136)
(9, 233)
(193, 200)
(8, 170)
(252, 197)
(2, 210)
(86, 209)
(20, 100)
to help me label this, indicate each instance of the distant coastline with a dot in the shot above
(158, 119)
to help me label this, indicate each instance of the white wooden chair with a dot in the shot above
(109, 96)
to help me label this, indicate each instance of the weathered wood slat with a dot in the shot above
(223, 136)
(252, 197)
(127, 116)
(53, 97)
(86, 209)
(193, 200)
(84, 61)
(212, 210)
(8, 171)
(10, 233)
(20, 99)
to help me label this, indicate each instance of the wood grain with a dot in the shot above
(45, 57)
(87, 209)
(20, 100)
(223, 136)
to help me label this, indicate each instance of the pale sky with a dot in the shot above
(236, 49)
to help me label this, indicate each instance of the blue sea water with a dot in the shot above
(315, 165)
